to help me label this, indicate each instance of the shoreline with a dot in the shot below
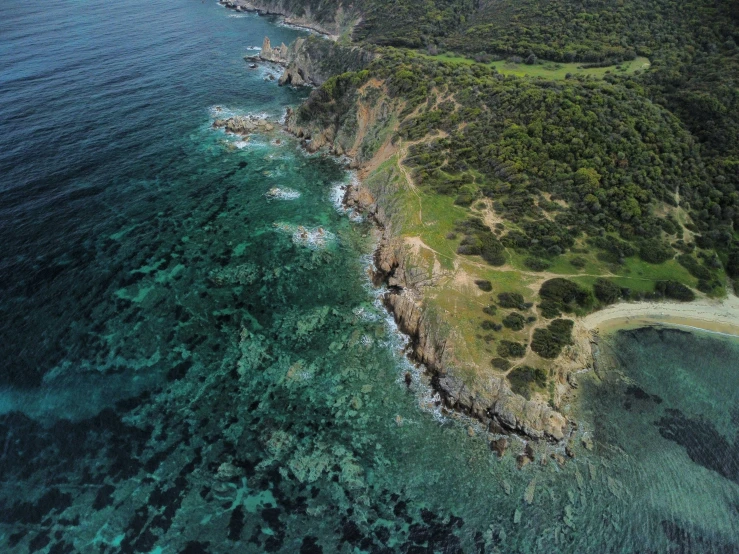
(247, 6)
(704, 314)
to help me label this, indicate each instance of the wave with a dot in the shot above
(316, 238)
(277, 193)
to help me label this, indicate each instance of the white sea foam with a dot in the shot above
(338, 190)
(277, 193)
(308, 30)
(315, 238)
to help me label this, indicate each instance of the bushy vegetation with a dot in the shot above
(479, 240)
(500, 364)
(674, 291)
(514, 321)
(607, 291)
(562, 295)
(511, 300)
(524, 378)
(484, 284)
(511, 349)
(549, 342)
(490, 310)
(572, 158)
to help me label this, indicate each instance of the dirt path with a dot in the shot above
(402, 154)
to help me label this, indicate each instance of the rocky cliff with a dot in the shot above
(329, 18)
(489, 400)
(355, 117)
(312, 61)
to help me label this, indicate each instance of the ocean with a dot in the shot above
(184, 372)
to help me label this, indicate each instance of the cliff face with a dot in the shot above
(359, 121)
(489, 400)
(330, 18)
(312, 61)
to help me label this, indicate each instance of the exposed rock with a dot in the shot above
(399, 266)
(569, 451)
(495, 427)
(499, 446)
(557, 457)
(572, 380)
(330, 24)
(526, 457)
(311, 61)
(244, 125)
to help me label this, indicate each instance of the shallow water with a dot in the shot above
(184, 372)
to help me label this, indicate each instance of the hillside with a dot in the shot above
(527, 171)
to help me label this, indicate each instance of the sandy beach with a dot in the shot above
(719, 316)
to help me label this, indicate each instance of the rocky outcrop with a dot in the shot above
(312, 60)
(244, 125)
(346, 124)
(300, 13)
(490, 400)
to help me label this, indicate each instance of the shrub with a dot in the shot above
(694, 267)
(510, 349)
(523, 378)
(511, 300)
(578, 262)
(549, 309)
(606, 291)
(536, 264)
(484, 284)
(492, 250)
(655, 251)
(565, 293)
(549, 342)
(501, 364)
(491, 325)
(514, 321)
(490, 310)
(674, 290)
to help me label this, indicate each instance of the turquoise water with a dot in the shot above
(182, 373)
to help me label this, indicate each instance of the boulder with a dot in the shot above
(499, 446)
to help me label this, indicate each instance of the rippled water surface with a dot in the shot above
(183, 372)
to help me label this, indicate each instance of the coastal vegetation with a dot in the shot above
(561, 157)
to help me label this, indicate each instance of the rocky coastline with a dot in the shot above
(329, 29)
(509, 413)
(491, 402)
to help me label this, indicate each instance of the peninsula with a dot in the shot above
(526, 195)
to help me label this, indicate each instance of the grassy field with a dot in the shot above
(553, 70)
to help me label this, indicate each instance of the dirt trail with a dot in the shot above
(402, 154)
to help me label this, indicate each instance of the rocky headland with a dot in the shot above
(311, 61)
(434, 342)
(487, 398)
(491, 401)
(299, 14)
(244, 125)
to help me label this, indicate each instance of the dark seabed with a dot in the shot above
(181, 373)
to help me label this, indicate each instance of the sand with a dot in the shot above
(719, 316)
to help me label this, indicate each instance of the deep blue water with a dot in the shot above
(181, 373)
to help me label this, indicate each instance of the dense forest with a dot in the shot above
(590, 178)
(607, 150)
